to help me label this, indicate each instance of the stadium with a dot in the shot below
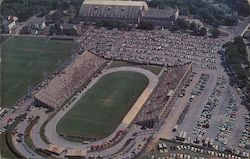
(111, 98)
(95, 100)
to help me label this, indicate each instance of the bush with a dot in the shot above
(215, 33)
(24, 9)
(203, 10)
(146, 25)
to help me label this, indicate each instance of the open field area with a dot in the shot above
(3, 38)
(5, 151)
(102, 108)
(24, 62)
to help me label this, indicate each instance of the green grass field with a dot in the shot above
(5, 151)
(3, 38)
(24, 61)
(99, 112)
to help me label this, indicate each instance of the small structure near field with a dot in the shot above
(76, 153)
(54, 149)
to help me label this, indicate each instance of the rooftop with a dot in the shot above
(54, 149)
(116, 3)
(159, 13)
(76, 153)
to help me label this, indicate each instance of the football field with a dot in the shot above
(25, 60)
(99, 112)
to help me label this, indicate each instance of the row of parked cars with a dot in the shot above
(228, 121)
(187, 84)
(200, 86)
(245, 136)
(213, 153)
(207, 112)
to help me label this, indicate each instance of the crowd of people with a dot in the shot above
(154, 47)
(157, 103)
(55, 92)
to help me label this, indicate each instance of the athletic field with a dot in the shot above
(99, 112)
(25, 60)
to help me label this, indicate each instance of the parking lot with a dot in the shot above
(245, 134)
(169, 149)
(214, 115)
(152, 47)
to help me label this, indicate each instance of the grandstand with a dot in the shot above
(63, 85)
(132, 12)
(160, 103)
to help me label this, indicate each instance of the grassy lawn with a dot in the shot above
(24, 61)
(153, 68)
(99, 112)
(3, 38)
(5, 151)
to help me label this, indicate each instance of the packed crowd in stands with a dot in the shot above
(154, 47)
(159, 103)
(63, 85)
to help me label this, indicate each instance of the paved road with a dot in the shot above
(22, 147)
(34, 134)
(236, 30)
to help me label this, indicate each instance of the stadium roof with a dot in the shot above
(159, 13)
(116, 3)
(109, 8)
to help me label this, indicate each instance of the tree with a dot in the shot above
(99, 23)
(24, 30)
(195, 31)
(144, 25)
(182, 23)
(58, 29)
(215, 33)
(203, 31)
(228, 44)
(243, 7)
(231, 20)
(154, 3)
(192, 26)
(52, 30)
(241, 46)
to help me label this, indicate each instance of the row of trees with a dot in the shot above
(201, 9)
(182, 24)
(240, 6)
(112, 24)
(236, 54)
(145, 25)
(24, 9)
(122, 25)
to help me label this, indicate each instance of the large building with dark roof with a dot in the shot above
(132, 12)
